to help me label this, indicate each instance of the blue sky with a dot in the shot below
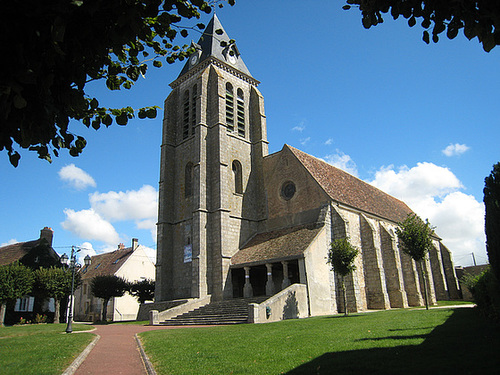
(418, 121)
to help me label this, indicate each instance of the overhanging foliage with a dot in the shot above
(53, 49)
(477, 18)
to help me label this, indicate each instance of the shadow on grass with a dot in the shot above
(394, 338)
(464, 344)
(409, 329)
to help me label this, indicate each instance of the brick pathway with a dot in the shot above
(116, 352)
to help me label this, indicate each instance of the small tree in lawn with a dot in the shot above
(16, 281)
(414, 236)
(341, 257)
(55, 283)
(107, 287)
(143, 290)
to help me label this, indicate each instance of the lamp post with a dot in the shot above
(72, 265)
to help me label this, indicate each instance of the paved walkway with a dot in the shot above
(115, 352)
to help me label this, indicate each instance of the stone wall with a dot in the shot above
(290, 303)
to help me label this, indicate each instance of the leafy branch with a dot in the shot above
(57, 48)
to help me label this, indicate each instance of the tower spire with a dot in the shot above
(215, 43)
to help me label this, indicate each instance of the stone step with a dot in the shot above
(221, 312)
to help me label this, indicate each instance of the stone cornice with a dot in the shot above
(222, 65)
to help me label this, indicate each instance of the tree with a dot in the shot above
(415, 239)
(107, 287)
(55, 283)
(16, 281)
(56, 48)
(477, 18)
(143, 290)
(341, 256)
(492, 218)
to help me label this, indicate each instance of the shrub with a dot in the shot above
(485, 291)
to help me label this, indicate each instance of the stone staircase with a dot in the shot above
(233, 311)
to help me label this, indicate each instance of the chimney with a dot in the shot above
(121, 246)
(135, 243)
(47, 234)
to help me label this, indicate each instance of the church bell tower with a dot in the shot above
(211, 193)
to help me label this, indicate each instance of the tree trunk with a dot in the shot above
(344, 295)
(423, 273)
(3, 308)
(57, 312)
(104, 309)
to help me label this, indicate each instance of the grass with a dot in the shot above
(443, 341)
(40, 348)
(454, 303)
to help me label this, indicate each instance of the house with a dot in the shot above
(33, 254)
(235, 221)
(132, 264)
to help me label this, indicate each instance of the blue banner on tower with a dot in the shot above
(188, 253)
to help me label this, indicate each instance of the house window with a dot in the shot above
(188, 180)
(185, 117)
(229, 107)
(84, 288)
(193, 108)
(24, 304)
(238, 178)
(240, 106)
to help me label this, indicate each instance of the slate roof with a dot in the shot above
(351, 191)
(11, 253)
(282, 244)
(209, 44)
(107, 263)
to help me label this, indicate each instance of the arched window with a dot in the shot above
(229, 107)
(185, 117)
(240, 106)
(238, 177)
(188, 180)
(194, 96)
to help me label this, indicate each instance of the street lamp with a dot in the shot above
(72, 265)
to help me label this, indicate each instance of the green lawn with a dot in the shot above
(40, 348)
(438, 341)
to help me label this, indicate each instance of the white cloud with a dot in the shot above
(433, 193)
(149, 224)
(300, 127)
(304, 141)
(342, 161)
(413, 184)
(89, 225)
(76, 177)
(9, 242)
(86, 248)
(455, 149)
(130, 205)
(329, 141)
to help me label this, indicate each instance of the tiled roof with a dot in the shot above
(107, 263)
(276, 245)
(351, 191)
(11, 253)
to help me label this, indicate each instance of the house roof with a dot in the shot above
(282, 244)
(107, 263)
(11, 253)
(351, 191)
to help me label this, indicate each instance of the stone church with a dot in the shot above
(235, 221)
